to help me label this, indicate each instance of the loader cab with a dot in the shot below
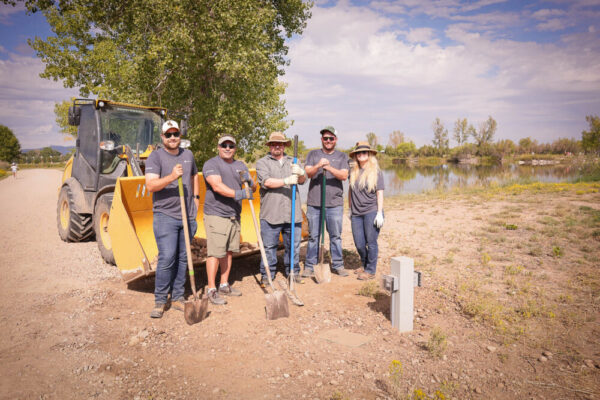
(104, 129)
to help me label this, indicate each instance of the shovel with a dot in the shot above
(291, 293)
(322, 271)
(277, 305)
(195, 310)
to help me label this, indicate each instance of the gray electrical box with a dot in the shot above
(389, 283)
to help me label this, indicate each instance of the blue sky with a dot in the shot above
(380, 66)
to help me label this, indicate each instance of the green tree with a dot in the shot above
(406, 149)
(440, 136)
(505, 147)
(372, 139)
(61, 113)
(396, 137)
(485, 134)
(462, 131)
(10, 148)
(48, 154)
(590, 140)
(215, 61)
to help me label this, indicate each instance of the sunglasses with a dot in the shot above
(227, 146)
(328, 138)
(362, 152)
(169, 134)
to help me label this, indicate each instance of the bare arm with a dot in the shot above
(155, 183)
(218, 186)
(196, 185)
(311, 170)
(379, 200)
(341, 174)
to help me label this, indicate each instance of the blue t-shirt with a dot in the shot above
(214, 203)
(166, 201)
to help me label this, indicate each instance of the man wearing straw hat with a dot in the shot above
(276, 176)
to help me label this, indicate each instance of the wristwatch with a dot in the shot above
(197, 197)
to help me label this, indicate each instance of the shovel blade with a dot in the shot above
(195, 311)
(322, 273)
(277, 305)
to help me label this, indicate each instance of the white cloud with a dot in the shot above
(554, 24)
(546, 13)
(27, 101)
(361, 76)
(417, 35)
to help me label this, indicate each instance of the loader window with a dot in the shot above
(127, 126)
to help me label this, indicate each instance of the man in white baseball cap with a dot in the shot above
(164, 166)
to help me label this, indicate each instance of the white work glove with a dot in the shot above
(297, 170)
(378, 220)
(290, 180)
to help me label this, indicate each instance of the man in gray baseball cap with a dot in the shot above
(334, 164)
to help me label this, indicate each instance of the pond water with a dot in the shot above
(403, 179)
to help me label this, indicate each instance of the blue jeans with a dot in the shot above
(270, 237)
(333, 224)
(171, 268)
(365, 239)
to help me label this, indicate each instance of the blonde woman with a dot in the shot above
(365, 199)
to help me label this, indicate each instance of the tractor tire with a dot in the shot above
(101, 216)
(72, 227)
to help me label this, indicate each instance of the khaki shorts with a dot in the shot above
(222, 235)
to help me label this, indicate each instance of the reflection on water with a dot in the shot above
(405, 179)
(401, 179)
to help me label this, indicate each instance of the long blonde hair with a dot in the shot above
(368, 178)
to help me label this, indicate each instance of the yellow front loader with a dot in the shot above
(103, 191)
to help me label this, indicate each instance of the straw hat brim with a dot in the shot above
(374, 152)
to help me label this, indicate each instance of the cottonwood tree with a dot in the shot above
(10, 148)
(372, 139)
(396, 137)
(462, 131)
(440, 136)
(485, 134)
(215, 61)
(590, 140)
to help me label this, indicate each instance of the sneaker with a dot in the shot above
(215, 298)
(158, 310)
(308, 273)
(178, 304)
(363, 276)
(341, 271)
(229, 291)
(358, 270)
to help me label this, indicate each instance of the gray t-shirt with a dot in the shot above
(362, 200)
(166, 201)
(214, 203)
(276, 204)
(334, 193)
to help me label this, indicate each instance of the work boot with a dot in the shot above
(215, 298)
(363, 276)
(178, 304)
(158, 310)
(340, 271)
(308, 273)
(227, 290)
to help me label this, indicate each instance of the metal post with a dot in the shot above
(401, 285)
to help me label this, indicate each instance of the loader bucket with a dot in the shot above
(132, 235)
